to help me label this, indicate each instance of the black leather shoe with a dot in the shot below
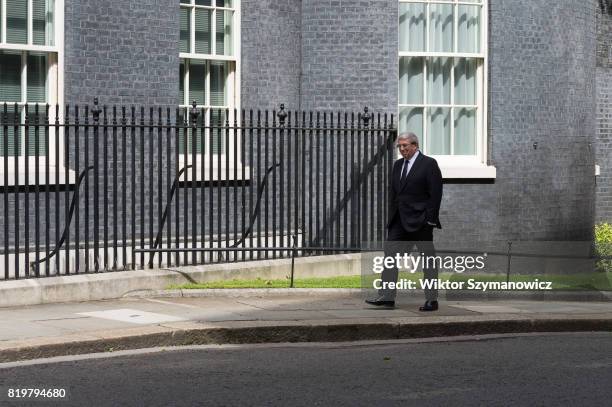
(379, 302)
(429, 306)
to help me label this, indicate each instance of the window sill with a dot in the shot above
(468, 171)
(218, 174)
(10, 180)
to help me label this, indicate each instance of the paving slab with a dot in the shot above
(500, 309)
(83, 323)
(28, 329)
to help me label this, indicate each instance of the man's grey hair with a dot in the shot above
(411, 137)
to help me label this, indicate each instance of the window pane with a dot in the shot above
(10, 76)
(203, 2)
(185, 26)
(411, 80)
(199, 145)
(185, 1)
(42, 24)
(217, 121)
(50, 22)
(32, 136)
(469, 29)
(182, 100)
(412, 26)
(411, 119)
(438, 80)
(441, 27)
(218, 76)
(224, 3)
(202, 31)
(183, 131)
(465, 81)
(197, 81)
(465, 131)
(438, 131)
(37, 78)
(17, 21)
(7, 132)
(188, 132)
(224, 32)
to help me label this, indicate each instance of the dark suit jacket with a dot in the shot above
(417, 199)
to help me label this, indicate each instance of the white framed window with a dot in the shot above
(31, 74)
(209, 74)
(442, 94)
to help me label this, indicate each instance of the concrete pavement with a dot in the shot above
(170, 318)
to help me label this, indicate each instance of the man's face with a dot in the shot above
(406, 149)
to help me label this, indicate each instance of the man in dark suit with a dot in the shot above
(415, 195)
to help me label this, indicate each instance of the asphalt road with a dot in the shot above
(559, 370)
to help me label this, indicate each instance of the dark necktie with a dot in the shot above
(404, 173)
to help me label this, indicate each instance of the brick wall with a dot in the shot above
(541, 89)
(349, 55)
(604, 116)
(270, 54)
(122, 52)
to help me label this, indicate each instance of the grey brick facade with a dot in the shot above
(550, 76)
(271, 54)
(541, 89)
(349, 55)
(123, 52)
(604, 116)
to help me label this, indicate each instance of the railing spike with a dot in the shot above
(282, 115)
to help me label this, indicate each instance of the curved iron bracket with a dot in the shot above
(246, 234)
(255, 213)
(165, 214)
(71, 212)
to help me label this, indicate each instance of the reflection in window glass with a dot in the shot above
(224, 32)
(411, 119)
(218, 73)
(439, 131)
(468, 32)
(441, 27)
(412, 29)
(197, 82)
(10, 76)
(37, 78)
(42, 21)
(202, 31)
(13, 145)
(17, 21)
(438, 81)
(185, 25)
(465, 131)
(411, 80)
(465, 81)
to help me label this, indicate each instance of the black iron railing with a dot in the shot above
(90, 189)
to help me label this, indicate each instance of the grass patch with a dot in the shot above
(590, 281)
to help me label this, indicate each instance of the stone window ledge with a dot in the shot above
(467, 171)
(9, 179)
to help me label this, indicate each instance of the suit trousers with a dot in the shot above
(400, 241)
